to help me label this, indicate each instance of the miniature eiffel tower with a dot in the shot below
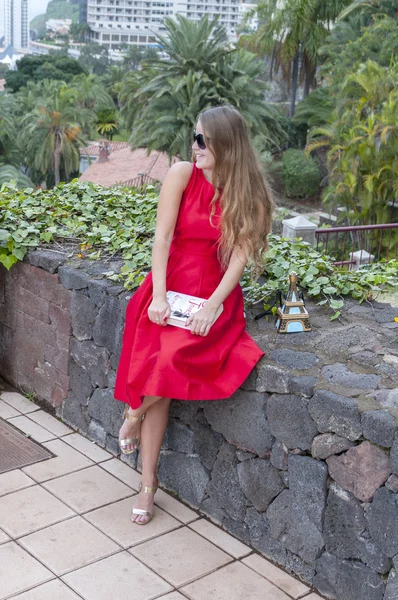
(292, 314)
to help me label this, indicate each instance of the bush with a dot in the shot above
(300, 174)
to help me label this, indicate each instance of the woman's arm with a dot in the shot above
(169, 204)
(203, 319)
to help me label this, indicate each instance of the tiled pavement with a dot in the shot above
(65, 532)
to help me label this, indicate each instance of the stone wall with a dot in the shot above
(301, 463)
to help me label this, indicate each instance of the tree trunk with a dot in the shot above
(293, 91)
(57, 161)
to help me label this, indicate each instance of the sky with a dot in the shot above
(36, 7)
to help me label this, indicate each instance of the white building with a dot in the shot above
(16, 24)
(113, 22)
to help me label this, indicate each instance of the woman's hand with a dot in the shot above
(159, 311)
(202, 321)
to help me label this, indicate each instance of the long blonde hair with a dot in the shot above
(246, 200)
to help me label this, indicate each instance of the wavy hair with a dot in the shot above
(246, 199)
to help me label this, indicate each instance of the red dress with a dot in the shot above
(172, 362)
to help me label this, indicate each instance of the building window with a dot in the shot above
(105, 37)
(142, 39)
(133, 38)
(115, 37)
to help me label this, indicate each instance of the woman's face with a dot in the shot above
(204, 157)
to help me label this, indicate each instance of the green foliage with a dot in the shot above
(300, 174)
(104, 222)
(94, 58)
(161, 101)
(37, 68)
(362, 144)
(107, 122)
(101, 221)
(317, 275)
(51, 131)
(347, 48)
(316, 109)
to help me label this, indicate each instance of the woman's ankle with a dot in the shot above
(149, 480)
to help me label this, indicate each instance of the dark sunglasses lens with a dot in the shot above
(200, 140)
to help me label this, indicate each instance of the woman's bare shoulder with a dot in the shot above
(181, 171)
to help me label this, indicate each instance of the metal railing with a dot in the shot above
(358, 244)
(139, 182)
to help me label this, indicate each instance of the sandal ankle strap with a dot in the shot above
(146, 489)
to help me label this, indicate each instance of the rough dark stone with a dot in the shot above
(272, 379)
(334, 413)
(224, 484)
(93, 359)
(185, 475)
(327, 444)
(379, 427)
(242, 421)
(73, 414)
(260, 482)
(361, 470)
(97, 433)
(347, 580)
(112, 445)
(364, 357)
(241, 455)
(338, 342)
(292, 359)
(340, 374)
(187, 412)
(303, 386)
(345, 531)
(206, 443)
(239, 530)
(115, 290)
(82, 314)
(392, 483)
(394, 456)
(250, 383)
(80, 383)
(290, 421)
(279, 456)
(261, 538)
(49, 260)
(97, 290)
(392, 586)
(293, 529)
(382, 517)
(307, 483)
(108, 326)
(295, 564)
(72, 279)
(179, 437)
(213, 510)
(106, 410)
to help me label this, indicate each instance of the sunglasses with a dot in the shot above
(200, 140)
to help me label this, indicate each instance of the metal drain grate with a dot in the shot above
(16, 450)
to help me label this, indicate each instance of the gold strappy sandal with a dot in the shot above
(130, 441)
(141, 511)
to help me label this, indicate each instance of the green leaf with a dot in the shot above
(335, 316)
(8, 260)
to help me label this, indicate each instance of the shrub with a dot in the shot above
(300, 174)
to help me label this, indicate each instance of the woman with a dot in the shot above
(213, 216)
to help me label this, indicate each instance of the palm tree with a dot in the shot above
(91, 92)
(9, 156)
(161, 101)
(370, 9)
(107, 123)
(292, 33)
(52, 133)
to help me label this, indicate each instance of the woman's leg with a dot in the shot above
(130, 429)
(152, 433)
